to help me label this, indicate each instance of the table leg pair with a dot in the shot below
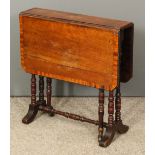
(112, 126)
(34, 106)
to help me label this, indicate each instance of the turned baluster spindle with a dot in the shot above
(41, 89)
(33, 89)
(101, 111)
(111, 109)
(49, 91)
(118, 105)
(33, 107)
(70, 115)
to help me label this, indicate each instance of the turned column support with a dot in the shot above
(49, 94)
(33, 89)
(41, 91)
(34, 106)
(101, 113)
(107, 138)
(49, 91)
(121, 128)
(118, 106)
(111, 109)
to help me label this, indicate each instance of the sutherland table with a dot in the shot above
(86, 50)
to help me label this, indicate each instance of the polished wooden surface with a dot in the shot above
(71, 47)
(77, 19)
(87, 50)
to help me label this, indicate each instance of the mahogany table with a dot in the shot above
(86, 50)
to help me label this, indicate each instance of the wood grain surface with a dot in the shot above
(77, 19)
(55, 46)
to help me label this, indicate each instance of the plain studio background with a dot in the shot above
(129, 10)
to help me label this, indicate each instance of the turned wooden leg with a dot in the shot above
(120, 127)
(110, 130)
(101, 114)
(33, 107)
(49, 95)
(41, 91)
(111, 109)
